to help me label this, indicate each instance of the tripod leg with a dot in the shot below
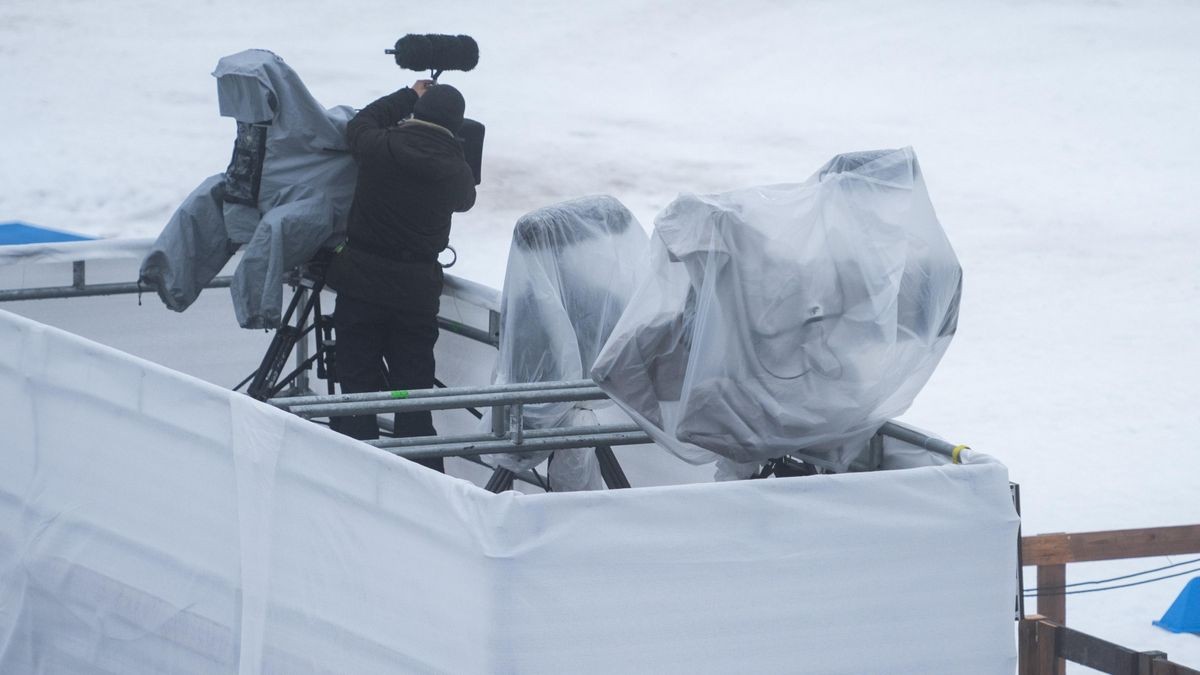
(278, 351)
(610, 468)
(323, 337)
(501, 481)
(306, 299)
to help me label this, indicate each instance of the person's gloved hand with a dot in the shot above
(422, 86)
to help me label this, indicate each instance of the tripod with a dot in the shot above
(304, 316)
(610, 470)
(267, 380)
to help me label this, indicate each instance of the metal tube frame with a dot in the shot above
(79, 288)
(448, 401)
(399, 443)
(529, 477)
(917, 438)
(509, 433)
(511, 446)
(365, 397)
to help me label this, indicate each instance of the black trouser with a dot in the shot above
(381, 349)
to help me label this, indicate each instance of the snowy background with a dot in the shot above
(1059, 141)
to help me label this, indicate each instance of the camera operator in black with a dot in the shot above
(411, 177)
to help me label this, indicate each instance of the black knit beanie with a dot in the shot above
(443, 105)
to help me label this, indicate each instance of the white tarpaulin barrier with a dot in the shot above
(153, 523)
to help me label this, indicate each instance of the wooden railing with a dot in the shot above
(1050, 553)
(1046, 641)
(1045, 645)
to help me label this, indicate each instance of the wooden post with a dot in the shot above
(1145, 661)
(1052, 603)
(1027, 651)
(1048, 662)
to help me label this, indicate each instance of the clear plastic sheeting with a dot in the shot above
(572, 268)
(152, 523)
(286, 192)
(787, 319)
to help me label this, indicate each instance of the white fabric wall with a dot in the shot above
(153, 523)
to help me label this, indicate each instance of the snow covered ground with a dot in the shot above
(1058, 139)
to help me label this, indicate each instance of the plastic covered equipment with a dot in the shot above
(572, 268)
(790, 319)
(286, 193)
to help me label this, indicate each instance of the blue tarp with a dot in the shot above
(23, 233)
(1184, 614)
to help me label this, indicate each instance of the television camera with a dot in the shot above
(432, 52)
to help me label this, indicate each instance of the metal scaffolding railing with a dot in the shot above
(471, 292)
(509, 432)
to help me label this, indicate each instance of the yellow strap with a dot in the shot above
(955, 454)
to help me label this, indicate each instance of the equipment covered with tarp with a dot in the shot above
(286, 193)
(787, 318)
(572, 268)
(154, 523)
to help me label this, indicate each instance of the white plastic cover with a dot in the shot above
(571, 270)
(787, 318)
(287, 191)
(152, 523)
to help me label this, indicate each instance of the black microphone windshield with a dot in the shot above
(437, 52)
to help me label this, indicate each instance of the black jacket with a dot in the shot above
(411, 178)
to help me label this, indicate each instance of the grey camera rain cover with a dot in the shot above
(787, 319)
(572, 268)
(286, 192)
